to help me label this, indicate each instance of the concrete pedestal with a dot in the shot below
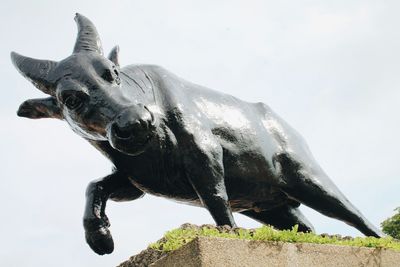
(215, 252)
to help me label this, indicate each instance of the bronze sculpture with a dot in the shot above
(168, 137)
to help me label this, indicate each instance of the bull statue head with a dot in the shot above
(85, 90)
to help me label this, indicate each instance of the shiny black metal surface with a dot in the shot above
(171, 138)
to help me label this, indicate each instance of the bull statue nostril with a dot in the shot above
(120, 132)
(137, 127)
(152, 118)
(144, 124)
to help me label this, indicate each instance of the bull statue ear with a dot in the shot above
(88, 39)
(114, 55)
(35, 70)
(40, 108)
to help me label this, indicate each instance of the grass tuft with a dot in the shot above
(176, 238)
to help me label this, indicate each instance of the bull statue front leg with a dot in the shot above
(205, 171)
(115, 186)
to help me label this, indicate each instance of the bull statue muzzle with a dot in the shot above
(132, 129)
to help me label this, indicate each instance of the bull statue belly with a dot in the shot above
(172, 138)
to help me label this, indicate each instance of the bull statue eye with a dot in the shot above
(117, 79)
(107, 75)
(73, 102)
(111, 76)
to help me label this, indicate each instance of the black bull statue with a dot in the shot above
(168, 137)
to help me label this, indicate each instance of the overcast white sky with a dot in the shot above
(330, 68)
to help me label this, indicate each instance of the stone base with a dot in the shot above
(210, 251)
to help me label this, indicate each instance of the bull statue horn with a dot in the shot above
(88, 39)
(113, 56)
(35, 70)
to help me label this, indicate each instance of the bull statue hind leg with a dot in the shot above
(312, 187)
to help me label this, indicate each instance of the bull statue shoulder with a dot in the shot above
(172, 138)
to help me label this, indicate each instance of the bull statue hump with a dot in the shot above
(168, 137)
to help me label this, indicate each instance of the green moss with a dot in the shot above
(176, 238)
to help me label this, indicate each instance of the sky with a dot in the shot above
(329, 68)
